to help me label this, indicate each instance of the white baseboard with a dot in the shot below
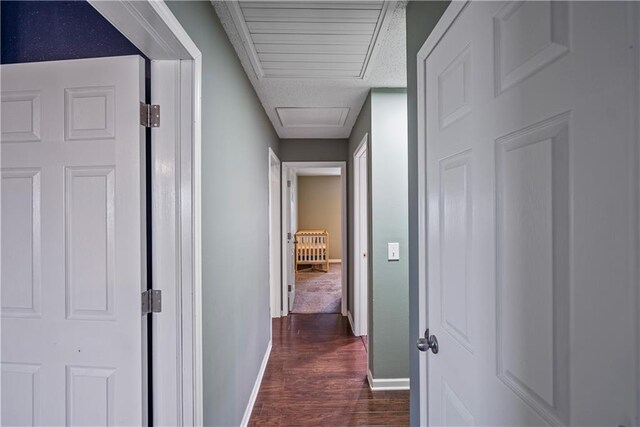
(335, 261)
(256, 387)
(353, 331)
(387, 383)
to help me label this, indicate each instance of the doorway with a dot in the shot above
(314, 237)
(361, 239)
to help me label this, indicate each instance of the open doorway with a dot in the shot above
(314, 237)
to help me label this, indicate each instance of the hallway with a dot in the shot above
(321, 212)
(317, 375)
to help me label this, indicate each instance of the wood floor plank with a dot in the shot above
(317, 375)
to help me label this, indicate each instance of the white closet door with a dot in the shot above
(532, 186)
(73, 246)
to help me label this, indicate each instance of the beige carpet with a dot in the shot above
(318, 292)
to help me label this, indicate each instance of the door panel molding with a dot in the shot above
(458, 208)
(541, 191)
(29, 252)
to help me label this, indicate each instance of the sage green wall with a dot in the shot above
(389, 331)
(384, 118)
(313, 150)
(236, 134)
(422, 16)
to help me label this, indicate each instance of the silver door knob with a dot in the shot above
(428, 342)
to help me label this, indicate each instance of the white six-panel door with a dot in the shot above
(292, 227)
(530, 126)
(72, 242)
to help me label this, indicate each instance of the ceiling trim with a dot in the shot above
(381, 28)
(382, 24)
(245, 36)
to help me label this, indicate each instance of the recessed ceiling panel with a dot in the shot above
(309, 39)
(312, 117)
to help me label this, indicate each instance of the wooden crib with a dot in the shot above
(312, 247)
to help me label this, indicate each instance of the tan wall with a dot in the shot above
(319, 200)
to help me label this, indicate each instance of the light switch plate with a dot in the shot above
(394, 251)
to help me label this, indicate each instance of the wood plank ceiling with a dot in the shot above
(310, 39)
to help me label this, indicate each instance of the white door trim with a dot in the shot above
(360, 298)
(274, 285)
(288, 166)
(151, 27)
(445, 22)
(634, 17)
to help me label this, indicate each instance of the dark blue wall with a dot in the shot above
(32, 31)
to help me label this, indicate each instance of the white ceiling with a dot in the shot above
(313, 63)
(310, 39)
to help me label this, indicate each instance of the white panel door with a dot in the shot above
(531, 195)
(73, 251)
(292, 227)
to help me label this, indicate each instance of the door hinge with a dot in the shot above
(289, 236)
(289, 184)
(151, 301)
(149, 115)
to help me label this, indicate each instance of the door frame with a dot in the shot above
(295, 166)
(176, 64)
(360, 288)
(275, 282)
(634, 17)
(448, 18)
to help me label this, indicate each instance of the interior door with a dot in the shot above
(292, 207)
(532, 186)
(72, 242)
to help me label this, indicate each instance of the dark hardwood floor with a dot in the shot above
(317, 375)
